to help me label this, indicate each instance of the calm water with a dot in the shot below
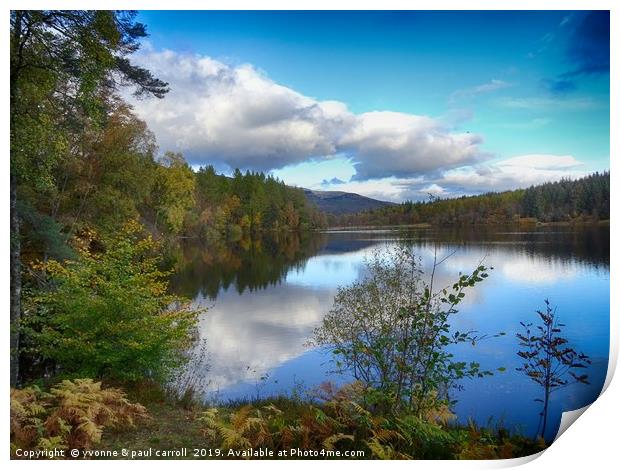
(265, 297)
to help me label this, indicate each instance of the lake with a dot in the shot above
(265, 297)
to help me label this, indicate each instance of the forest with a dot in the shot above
(247, 203)
(581, 200)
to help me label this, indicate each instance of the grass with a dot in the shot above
(174, 422)
(170, 427)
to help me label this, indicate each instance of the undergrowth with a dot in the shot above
(339, 421)
(72, 414)
(75, 414)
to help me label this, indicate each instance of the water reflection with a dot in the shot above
(247, 340)
(247, 264)
(265, 297)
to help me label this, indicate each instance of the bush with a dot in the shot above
(391, 330)
(73, 414)
(107, 313)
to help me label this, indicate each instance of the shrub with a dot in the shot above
(107, 313)
(73, 414)
(391, 330)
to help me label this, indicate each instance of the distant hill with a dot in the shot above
(340, 203)
(582, 201)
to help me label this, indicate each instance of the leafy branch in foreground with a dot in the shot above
(547, 359)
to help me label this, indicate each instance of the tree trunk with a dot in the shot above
(545, 413)
(15, 253)
(16, 284)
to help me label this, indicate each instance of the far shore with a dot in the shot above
(527, 222)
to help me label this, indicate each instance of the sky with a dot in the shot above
(391, 105)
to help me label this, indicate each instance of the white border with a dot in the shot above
(591, 443)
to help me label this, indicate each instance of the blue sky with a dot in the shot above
(394, 105)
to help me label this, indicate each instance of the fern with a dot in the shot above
(340, 422)
(72, 414)
(330, 441)
(385, 451)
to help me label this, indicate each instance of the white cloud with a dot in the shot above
(385, 189)
(516, 172)
(474, 91)
(217, 113)
(534, 103)
(434, 189)
(237, 116)
(386, 144)
(541, 162)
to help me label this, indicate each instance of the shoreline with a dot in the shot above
(426, 225)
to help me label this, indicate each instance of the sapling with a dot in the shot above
(392, 331)
(548, 360)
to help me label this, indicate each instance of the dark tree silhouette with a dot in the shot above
(548, 360)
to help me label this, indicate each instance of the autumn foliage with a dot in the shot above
(72, 415)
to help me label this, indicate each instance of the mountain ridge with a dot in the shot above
(341, 202)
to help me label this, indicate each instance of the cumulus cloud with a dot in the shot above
(237, 116)
(516, 172)
(434, 189)
(396, 144)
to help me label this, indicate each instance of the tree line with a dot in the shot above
(247, 203)
(585, 199)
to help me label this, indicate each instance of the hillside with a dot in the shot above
(584, 199)
(340, 203)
